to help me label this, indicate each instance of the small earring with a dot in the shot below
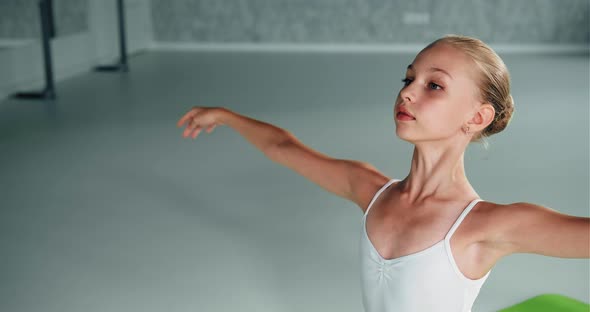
(466, 130)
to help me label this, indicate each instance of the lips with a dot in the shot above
(403, 111)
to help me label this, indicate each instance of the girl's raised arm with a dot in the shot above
(350, 179)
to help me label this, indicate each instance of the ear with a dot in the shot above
(483, 116)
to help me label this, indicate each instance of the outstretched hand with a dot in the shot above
(200, 117)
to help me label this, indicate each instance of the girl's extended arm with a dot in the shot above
(529, 228)
(350, 179)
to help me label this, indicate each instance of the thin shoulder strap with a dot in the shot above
(379, 193)
(461, 217)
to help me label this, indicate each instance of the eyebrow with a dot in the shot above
(433, 69)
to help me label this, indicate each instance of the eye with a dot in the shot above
(434, 84)
(407, 81)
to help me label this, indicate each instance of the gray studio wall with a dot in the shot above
(19, 19)
(369, 21)
(327, 21)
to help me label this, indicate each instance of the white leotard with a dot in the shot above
(428, 280)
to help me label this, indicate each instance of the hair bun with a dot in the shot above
(502, 118)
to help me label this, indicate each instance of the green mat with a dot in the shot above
(549, 303)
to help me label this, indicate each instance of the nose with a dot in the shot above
(406, 95)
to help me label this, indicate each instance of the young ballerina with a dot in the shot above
(429, 241)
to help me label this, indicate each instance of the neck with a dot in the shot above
(436, 172)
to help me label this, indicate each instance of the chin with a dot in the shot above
(404, 136)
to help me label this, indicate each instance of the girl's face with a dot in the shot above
(439, 90)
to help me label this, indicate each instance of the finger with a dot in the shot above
(210, 128)
(197, 131)
(193, 123)
(184, 119)
(187, 116)
(189, 128)
(186, 132)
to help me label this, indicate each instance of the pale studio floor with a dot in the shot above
(105, 207)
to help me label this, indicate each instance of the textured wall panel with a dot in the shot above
(369, 21)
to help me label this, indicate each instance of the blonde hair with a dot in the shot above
(493, 81)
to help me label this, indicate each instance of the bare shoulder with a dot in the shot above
(496, 218)
(487, 217)
(496, 221)
(365, 183)
(483, 227)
